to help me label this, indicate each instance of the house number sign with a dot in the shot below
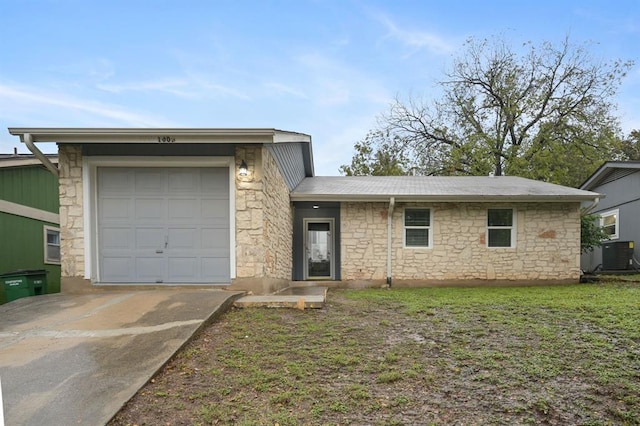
(166, 139)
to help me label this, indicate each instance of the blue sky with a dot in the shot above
(326, 68)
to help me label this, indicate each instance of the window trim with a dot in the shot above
(428, 228)
(513, 228)
(45, 230)
(616, 214)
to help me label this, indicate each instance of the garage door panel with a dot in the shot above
(150, 181)
(214, 238)
(164, 225)
(183, 181)
(115, 209)
(184, 209)
(215, 209)
(150, 209)
(117, 238)
(115, 180)
(150, 238)
(183, 269)
(215, 269)
(184, 238)
(116, 268)
(150, 269)
(215, 182)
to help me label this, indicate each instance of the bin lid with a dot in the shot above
(25, 272)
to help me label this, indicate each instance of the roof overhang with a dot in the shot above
(595, 178)
(159, 135)
(440, 198)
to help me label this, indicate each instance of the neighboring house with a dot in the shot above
(29, 221)
(619, 214)
(242, 207)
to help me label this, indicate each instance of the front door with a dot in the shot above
(318, 243)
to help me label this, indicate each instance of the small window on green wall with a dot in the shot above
(51, 245)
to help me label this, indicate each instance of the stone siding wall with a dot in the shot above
(278, 221)
(264, 220)
(71, 211)
(547, 245)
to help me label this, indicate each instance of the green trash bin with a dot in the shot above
(24, 283)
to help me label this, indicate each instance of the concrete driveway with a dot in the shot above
(77, 359)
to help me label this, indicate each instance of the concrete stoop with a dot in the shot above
(292, 297)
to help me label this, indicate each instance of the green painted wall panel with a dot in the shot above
(32, 186)
(22, 239)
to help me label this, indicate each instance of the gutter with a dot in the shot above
(392, 203)
(28, 141)
(593, 205)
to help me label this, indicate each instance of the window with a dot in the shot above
(610, 223)
(500, 229)
(51, 245)
(417, 228)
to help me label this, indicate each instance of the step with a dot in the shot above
(292, 297)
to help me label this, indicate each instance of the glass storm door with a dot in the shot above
(319, 249)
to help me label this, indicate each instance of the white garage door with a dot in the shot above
(163, 225)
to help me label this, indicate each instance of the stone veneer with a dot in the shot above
(71, 211)
(264, 224)
(547, 245)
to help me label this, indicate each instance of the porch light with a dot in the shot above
(243, 169)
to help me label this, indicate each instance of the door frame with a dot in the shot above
(331, 248)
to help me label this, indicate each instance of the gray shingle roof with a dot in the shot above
(434, 188)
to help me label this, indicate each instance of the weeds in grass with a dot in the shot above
(554, 355)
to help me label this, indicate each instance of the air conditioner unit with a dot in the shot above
(617, 256)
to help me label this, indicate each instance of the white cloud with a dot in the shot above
(417, 40)
(285, 89)
(34, 101)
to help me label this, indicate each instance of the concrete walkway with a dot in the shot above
(77, 359)
(302, 297)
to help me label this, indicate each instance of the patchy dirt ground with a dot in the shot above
(415, 357)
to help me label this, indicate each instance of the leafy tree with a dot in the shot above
(377, 154)
(544, 114)
(591, 233)
(630, 147)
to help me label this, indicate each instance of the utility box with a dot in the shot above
(24, 283)
(617, 256)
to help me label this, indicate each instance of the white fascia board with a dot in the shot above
(156, 135)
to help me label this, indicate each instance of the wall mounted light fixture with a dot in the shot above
(243, 169)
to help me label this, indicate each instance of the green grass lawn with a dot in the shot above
(527, 355)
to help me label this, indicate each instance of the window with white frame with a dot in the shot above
(610, 223)
(417, 228)
(500, 228)
(51, 245)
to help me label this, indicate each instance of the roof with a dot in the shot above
(20, 160)
(434, 188)
(610, 171)
(169, 136)
(156, 135)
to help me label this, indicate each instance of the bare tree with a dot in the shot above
(508, 112)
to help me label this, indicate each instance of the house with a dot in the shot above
(242, 208)
(29, 221)
(619, 213)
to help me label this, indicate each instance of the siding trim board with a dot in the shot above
(29, 212)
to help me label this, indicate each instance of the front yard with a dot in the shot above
(552, 355)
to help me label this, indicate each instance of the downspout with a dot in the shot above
(392, 202)
(28, 141)
(586, 210)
